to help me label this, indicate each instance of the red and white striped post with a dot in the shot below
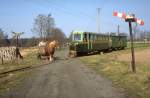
(130, 19)
(124, 16)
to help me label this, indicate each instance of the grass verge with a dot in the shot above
(137, 84)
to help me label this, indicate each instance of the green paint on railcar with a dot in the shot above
(119, 42)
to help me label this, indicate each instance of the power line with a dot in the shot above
(76, 16)
(62, 8)
(81, 14)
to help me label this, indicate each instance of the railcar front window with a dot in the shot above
(77, 37)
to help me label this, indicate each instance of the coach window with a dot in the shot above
(105, 38)
(95, 37)
(92, 37)
(77, 37)
(99, 37)
(89, 36)
(119, 38)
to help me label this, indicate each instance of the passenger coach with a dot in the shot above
(87, 42)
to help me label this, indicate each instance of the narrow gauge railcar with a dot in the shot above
(87, 42)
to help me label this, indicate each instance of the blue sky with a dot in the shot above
(19, 15)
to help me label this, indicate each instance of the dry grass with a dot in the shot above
(115, 67)
(140, 56)
(26, 51)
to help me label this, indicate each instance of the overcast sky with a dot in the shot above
(19, 15)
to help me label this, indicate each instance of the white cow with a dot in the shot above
(42, 44)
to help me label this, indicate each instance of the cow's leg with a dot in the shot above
(50, 58)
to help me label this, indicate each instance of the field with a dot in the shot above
(116, 66)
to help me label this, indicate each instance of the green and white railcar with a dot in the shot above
(87, 42)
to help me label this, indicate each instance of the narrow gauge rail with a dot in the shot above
(6, 73)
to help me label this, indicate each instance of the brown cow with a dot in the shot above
(50, 49)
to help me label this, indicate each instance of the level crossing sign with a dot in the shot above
(130, 18)
(125, 16)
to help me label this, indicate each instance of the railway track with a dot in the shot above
(6, 73)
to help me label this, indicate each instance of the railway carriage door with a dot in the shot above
(90, 42)
(92, 37)
(85, 37)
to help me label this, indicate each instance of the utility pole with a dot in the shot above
(17, 36)
(98, 20)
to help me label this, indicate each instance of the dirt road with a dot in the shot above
(64, 78)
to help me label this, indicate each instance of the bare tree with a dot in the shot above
(16, 35)
(43, 25)
(70, 37)
(136, 32)
(31, 42)
(148, 35)
(139, 35)
(50, 25)
(58, 34)
(1, 34)
(4, 41)
(145, 35)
